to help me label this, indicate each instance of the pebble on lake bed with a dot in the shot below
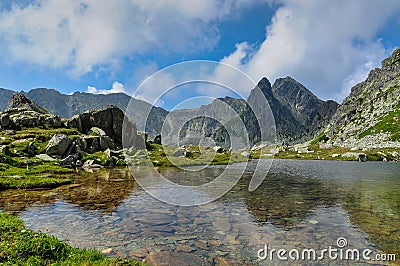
(106, 251)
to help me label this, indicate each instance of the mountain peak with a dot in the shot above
(393, 62)
(264, 84)
(19, 100)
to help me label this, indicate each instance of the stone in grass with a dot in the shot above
(362, 157)
(246, 154)
(45, 157)
(218, 149)
(179, 152)
(182, 152)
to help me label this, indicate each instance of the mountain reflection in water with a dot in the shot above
(300, 204)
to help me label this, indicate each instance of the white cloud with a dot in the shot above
(154, 88)
(76, 35)
(116, 88)
(326, 45)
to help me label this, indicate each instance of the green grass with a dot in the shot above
(157, 154)
(319, 138)
(389, 123)
(326, 154)
(20, 246)
(15, 174)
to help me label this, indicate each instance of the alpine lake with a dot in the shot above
(300, 205)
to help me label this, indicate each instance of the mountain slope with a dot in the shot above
(369, 116)
(4, 96)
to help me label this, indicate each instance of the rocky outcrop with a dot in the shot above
(369, 116)
(109, 120)
(23, 113)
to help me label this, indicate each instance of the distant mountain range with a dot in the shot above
(368, 117)
(298, 113)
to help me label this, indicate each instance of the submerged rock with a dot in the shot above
(170, 258)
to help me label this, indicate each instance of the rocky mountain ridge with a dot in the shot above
(298, 113)
(369, 116)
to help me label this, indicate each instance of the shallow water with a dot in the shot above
(300, 205)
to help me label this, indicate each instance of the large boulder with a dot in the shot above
(109, 119)
(58, 145)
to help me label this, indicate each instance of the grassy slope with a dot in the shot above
(326, 154)
(390, 123)
(19, 170)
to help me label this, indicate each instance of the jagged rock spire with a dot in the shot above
(19, 100)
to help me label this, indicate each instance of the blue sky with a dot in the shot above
(106, 46)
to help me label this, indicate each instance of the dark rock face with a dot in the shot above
(286, 125)
(22, 113)
(298, 115)
(109, 119)
(311, 112)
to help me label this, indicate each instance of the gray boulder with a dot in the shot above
(179, 152)
(45, 157)
(31, 149)
(111, 120)
(362, 157)
(188, 154)
(246, 154)
(69, 161)
(182, 152)
(58, 145)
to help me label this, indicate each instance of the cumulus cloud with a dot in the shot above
(327, 45)
(116, 88)
(76, 35)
